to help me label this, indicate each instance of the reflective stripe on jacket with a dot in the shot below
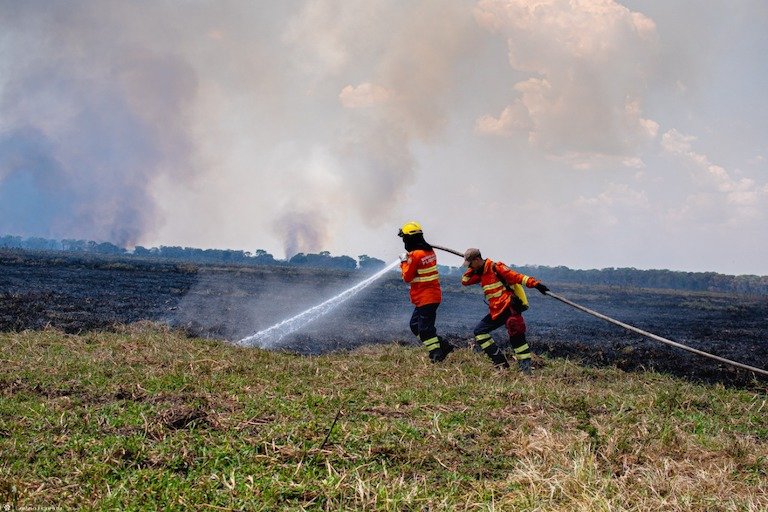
(420, 270)
(496, 294)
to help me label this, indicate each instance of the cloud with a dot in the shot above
(513, 119)
(612, 207)
(722, 198)
(587, 63)
(364, 95)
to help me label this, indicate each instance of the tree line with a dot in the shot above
(663, 279)
(193, 254)
(631, 277)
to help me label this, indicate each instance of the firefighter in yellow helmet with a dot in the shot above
(419, 269)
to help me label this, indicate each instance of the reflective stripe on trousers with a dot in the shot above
(484, 340)
(521, 347)
(432, 343)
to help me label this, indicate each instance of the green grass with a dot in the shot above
(146, 419)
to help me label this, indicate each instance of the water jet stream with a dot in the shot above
(271, 336)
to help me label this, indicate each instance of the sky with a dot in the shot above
(584, 133)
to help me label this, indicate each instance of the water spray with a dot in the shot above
(634, 329)
(271, 336)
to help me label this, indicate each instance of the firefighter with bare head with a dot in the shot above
(504, 293)
(419, 269)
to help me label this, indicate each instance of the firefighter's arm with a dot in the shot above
(516, 277)
(532, 282)
(408, 268)
(470, 277)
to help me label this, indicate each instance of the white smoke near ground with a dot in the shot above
(306, 309)
(302, 231)
(271, 336)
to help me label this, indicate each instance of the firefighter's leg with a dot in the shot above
(428, 332)
(445, 347)
(516, 328)
(414, 323)
(485, 341)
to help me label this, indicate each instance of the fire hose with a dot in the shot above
(635, 329)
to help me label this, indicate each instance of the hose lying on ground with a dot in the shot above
(635, 329)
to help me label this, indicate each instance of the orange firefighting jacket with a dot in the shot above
(420, 270)
(496, 294)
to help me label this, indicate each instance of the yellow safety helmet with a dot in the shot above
(410, 228)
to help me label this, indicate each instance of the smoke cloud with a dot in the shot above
(86, 126)
(112, 105)
(597, 128)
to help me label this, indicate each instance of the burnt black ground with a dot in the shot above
(77, 293)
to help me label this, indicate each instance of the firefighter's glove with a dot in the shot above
(542, 288)
(404, 257)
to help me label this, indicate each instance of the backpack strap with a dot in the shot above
(501, 278)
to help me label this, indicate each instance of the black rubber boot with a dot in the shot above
(446, 347)
(436, 355)
(525, 366)
(497, 356)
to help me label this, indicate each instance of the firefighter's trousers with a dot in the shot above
(515, 325)
(423, 324)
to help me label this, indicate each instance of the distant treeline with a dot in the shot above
(192, 254)
(632, 277)
(664, 279)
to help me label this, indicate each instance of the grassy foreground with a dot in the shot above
(148, 419)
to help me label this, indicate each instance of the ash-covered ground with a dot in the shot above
(78, 294)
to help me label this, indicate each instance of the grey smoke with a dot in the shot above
(88, 121)
(128, 106)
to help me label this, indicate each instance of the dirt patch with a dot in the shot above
(186, 416)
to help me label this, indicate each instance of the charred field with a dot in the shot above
(82, 293)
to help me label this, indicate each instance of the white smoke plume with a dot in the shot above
(114, 107)
(307, 125)
(89, 118)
